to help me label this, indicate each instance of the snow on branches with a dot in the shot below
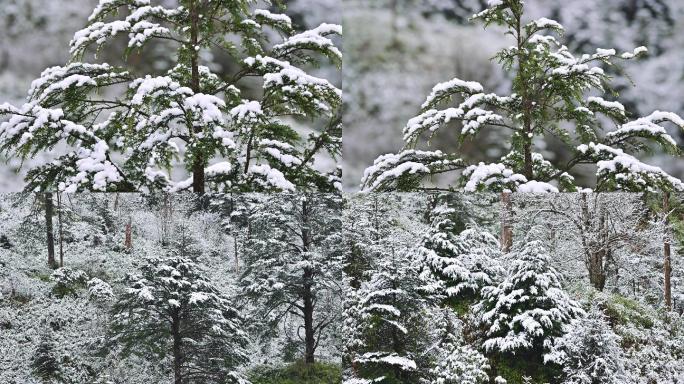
(552, 87)
(186, 116)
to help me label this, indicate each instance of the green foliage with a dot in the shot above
(45, 365)
(514, 368)
(297, 373)
(68, 281)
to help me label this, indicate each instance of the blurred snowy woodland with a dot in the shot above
(35, 35)
(133, 289)
(397, 50)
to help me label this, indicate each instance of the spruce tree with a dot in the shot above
(293, 267)
(45, 364)
(555, 94)
(457, 265)
(385, 322)
(590, 352)
(523, 315)
(171, 309)
(129, 141)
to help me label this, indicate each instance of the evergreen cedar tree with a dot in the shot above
(549, 98)
(128, 141)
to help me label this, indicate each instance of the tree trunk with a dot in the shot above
(198, 158)
(129, 235)
(667, 267)
(506, 226)
(177, 354)
(307, 294)
(61, 233)
(597, 276)
(309, 337)
(49, 213)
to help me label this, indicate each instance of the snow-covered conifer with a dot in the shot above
(293, 266)
(554, 93)
(457, 265)
(387, 316)
(170, 308)
(456, 361)
(590, 352)
(526, 312)
(227, 139)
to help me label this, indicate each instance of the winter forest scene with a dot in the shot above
(125, 288)
(341, 191)
(513, 288)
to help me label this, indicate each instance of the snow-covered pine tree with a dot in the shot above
(171, 308)
(129, 141)
(45, 364)
(293, 266)
(554, 93)
(456, 265)
(387, 322)
(456, 362)
(590, 352)
(526, 312)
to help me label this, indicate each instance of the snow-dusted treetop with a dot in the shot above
(555, 93)
(129, 141)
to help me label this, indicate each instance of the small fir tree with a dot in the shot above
(525, 313)
(386, 315)
(129, 141)
(554, 93)
(457, 265)
(45, 364)
(172, 309)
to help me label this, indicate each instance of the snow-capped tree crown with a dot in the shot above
(529, 308)
(172, 298)
(129, 141)
(555, 93)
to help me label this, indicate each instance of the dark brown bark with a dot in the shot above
(597, 276)
(667, 266)
(198, 160)
(307, 294)
(177, 354)
(49, 214)
(506, 225)
(61, 233)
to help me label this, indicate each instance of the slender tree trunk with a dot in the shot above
(49, 213)
(307, 294)
(177, 354)
(129, 235)
(506, 225)
(61, 233)
(666, 253)
(198, 160)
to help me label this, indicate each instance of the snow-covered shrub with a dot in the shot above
(589, 352)
(99, 290)
(68, 281)
(45, 364)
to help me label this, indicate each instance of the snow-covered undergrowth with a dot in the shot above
(59, 324)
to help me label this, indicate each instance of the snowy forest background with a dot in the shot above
(398, 49)
(253, 280)
(522, 288)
